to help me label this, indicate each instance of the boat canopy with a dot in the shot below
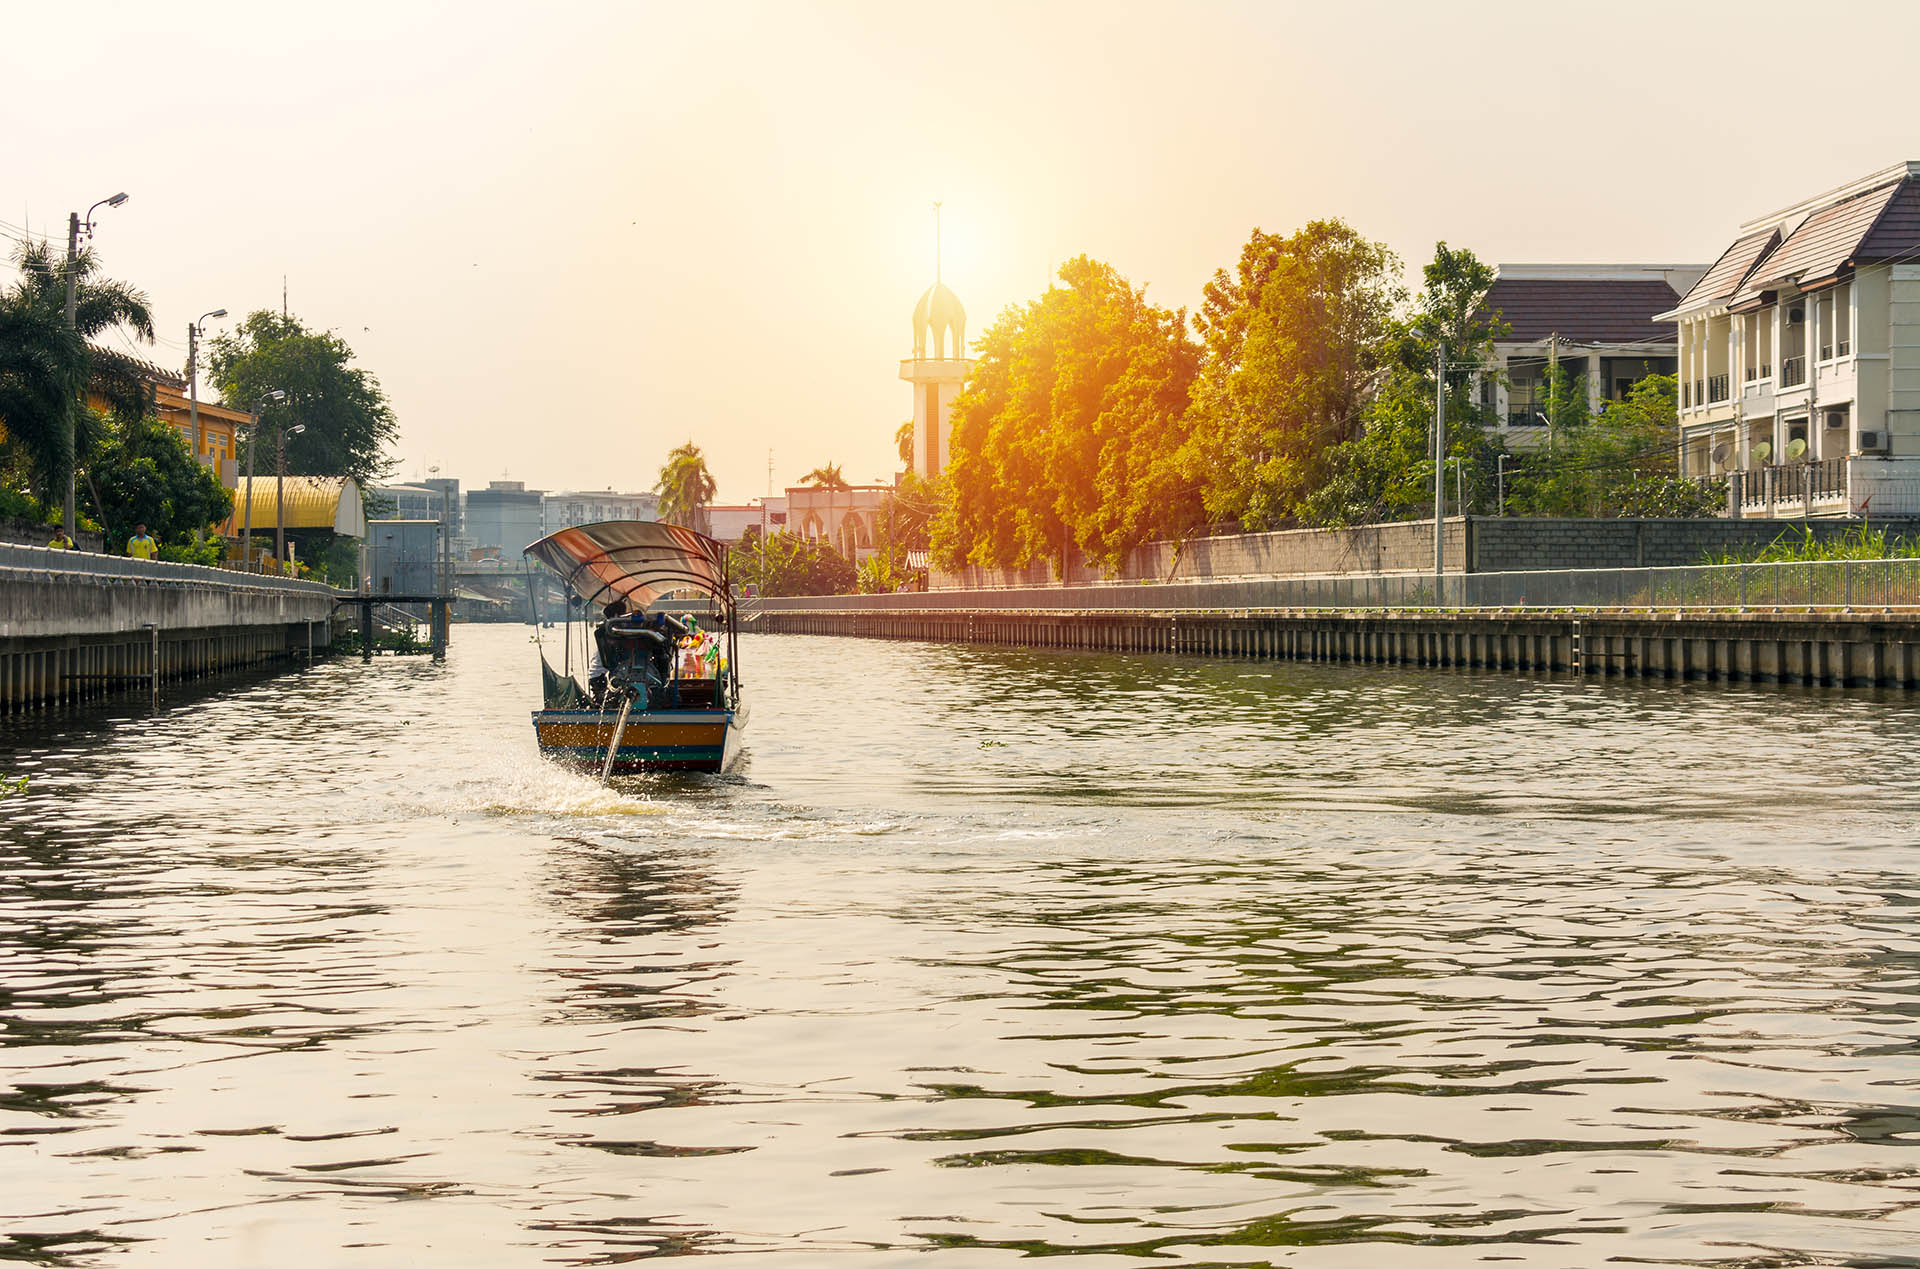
(638, 560)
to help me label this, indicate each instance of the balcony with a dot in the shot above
(1793, 372)
(1717, 388)
(1794, 488)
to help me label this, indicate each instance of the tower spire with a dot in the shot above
(936, 241)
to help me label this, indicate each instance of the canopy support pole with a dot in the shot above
(619, 730)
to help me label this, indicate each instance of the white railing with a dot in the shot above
(87, 564)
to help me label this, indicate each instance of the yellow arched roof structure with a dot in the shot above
(313, 502)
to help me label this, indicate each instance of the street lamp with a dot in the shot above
(280, 493)
(253, 435)
(194, 331)
(443, 585)
(73, 300)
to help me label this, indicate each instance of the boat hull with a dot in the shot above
(655, 740)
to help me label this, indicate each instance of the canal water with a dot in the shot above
(984, 954)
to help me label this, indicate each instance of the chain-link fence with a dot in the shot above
(1838, 584)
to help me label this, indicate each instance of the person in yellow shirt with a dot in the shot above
(61, 542)
(140, 546)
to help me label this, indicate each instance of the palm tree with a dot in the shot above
(685, 488)
(829, 479)
(45, 367)
(903, 440)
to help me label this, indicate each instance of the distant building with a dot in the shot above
(731, 522)
(407, 502)
(506, 516)
(590, 506)
(449, 488)
(846, 519)
(1596, 320)
(1800, 356)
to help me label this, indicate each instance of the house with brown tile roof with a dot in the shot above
(1598, 317)
(1800, 356)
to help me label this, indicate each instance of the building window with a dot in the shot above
(1843, 320)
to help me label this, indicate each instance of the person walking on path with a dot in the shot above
(61, 542)
(140, 546)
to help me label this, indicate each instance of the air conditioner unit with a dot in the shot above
(1836, 419)
(1874, 442)
(1796, 315)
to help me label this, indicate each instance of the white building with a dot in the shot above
(1595, 320)
(1800, 356)
(566, 509)
(847, 519)
(731, 521)
(938, 371)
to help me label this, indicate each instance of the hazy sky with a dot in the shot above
(568, 237)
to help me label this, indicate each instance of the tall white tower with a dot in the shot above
(938, 368)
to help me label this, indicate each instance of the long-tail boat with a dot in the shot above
(663, 687)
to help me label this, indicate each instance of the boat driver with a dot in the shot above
(635, 649)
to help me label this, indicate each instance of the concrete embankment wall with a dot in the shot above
(1823, 648)
(1472, 544)
(74, 627)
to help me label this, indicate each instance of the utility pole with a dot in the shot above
(193, 391)
(73, 403)
(280, 495)
(246, 533)
(73, 323)
(193, 382)
(1553, 385)
(1439, 467)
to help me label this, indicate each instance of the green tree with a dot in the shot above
(145, 474)
(1675, 497)
(1596, 463)
(1067, 431)
(349, 423)
(827, 477)
(903, 441)
(787, 564)
(686, 488)
(1387, 472)
(1297, 344)
(45, 367)
(902, 525)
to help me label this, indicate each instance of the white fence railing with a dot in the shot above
(87, 564)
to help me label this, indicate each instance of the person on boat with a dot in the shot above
(632, 650)
(597, 663)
